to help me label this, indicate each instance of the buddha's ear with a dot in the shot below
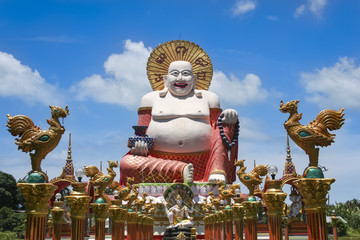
(195, 80)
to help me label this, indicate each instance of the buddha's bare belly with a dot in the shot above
(180, 135)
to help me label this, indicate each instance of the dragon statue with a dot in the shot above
(251, 179)
(125, 190)
(315, 133)
(32, 138)
(100, 180)
(228, 194)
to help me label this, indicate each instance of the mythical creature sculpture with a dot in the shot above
(215, 202)
(227, 194)
(123, 191)
(32, 138)
(140, 202)
(194, 140)
(315, 133)
(251, 179)
(100, 180)
(178, 215)
(131, 197)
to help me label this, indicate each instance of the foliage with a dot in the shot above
(350, 211)
(12, 221)
(342, 228)
(8, 236)
(10, 195)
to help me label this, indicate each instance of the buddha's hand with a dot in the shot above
(140, 148)
(230, 116)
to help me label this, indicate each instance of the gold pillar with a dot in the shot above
(78, 202)
(314, 192)
(100, 214)
(37, 196)
(251, 211)
(228, 223)
(238, 216)
(118, 218)
(57, 215)
(131, 219)
(274, 198)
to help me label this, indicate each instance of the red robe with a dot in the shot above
(165, 167)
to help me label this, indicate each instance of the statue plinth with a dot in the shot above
(314, 192)
(238, 216)
(132, 218)
(251, 211)
(118, 217)
(100, 213)
(37, 196)
(78, 202)
(57, 215)
(274, 198)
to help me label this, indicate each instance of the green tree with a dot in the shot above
(10, 195)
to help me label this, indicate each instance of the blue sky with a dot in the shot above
(92, 56)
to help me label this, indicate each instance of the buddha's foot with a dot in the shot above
(188, 173)
(216, 177)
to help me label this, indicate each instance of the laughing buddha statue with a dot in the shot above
(193, 139)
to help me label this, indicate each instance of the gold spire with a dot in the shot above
(69, 151)
(288, 156)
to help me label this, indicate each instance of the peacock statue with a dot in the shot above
(100, 180)
(315, 133)
(34, 140)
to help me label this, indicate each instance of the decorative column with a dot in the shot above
(37, 196)
(131, 219)
(206, 226)
(217, 226)
(78, 202)
(238, 216)
(251, 211)
(57, 215)
(118, 217)
(314, 192)
(193, 233)
(274, 198)
(228, 214)
(100, 213)
(334, 220)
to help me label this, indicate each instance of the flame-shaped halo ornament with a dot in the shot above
(179, 50)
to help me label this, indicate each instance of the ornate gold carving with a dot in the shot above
(274, 197)
(32, 138)
(117, 214)
(251, 179)
(315, 133)
(228, 215)
(57, 212)
(100, 210)
(238, 212)
(227, 194)
(102, 181)
(37, 196)
(251, 209)
(78, 201)
(314, 192)
(132, 217)
(179, 50)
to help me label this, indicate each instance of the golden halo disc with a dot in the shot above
(179, 50)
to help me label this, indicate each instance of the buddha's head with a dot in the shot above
(180, 80)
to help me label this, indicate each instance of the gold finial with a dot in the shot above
(288, 156)
(69, 151)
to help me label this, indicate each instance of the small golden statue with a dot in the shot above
(102, 181)
(314, 134)
(32, 138)
(251, 179)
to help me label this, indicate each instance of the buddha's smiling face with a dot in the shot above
(180, 79)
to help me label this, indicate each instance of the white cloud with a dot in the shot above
(20, 81)
(336, 86)
(300, 10)
(243, 6)
(314, 6)
(236, 91)
(272, 18)
(126, 81)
